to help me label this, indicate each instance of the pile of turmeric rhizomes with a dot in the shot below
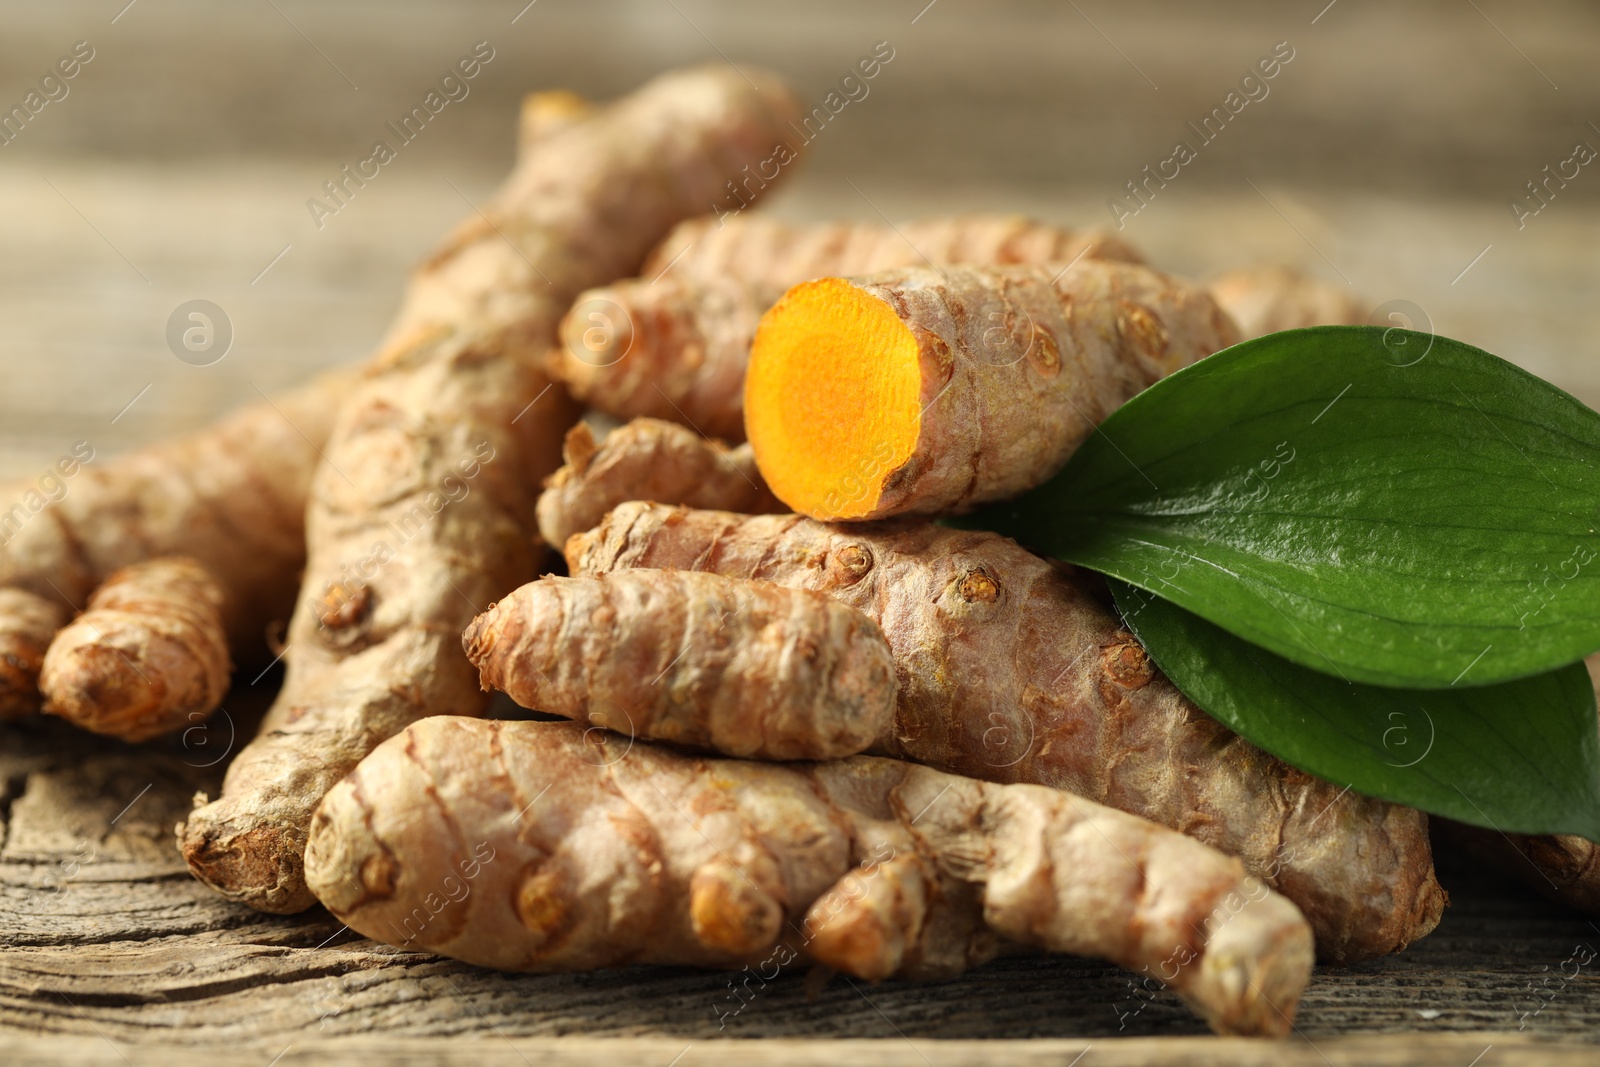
(810, 725)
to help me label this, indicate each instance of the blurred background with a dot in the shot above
(177, 162)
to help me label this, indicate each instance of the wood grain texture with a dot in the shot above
(1489, 1050)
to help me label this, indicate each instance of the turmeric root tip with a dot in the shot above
(740, 667)
(27, 623)
(646, 459)
(928, 390)
(148, 656)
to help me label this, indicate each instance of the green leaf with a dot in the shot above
(1520, 756)
(1382, 505)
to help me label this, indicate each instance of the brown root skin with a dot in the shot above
(647, 459)
(673, 343)
(773, 254)
(27, 624)
(1011, 670)
(420, 516)
(231, 497)
(1270, 297)
(928, 390)
(539, 846)
(672, 348)
(747, 669)
(147, 657)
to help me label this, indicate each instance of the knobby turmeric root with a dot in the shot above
(147, 657)
(932, 390)
(417, 520)
(744, 668)
(1012, 671)
(231, 497)
(647, 459)
(27, 623)
(536, 846)
(1271, 297)
(673, 343)
(776, 255)
(1561, 867)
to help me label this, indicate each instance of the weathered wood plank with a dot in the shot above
(1491, 1050)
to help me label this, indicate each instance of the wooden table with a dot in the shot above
(179, 167)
